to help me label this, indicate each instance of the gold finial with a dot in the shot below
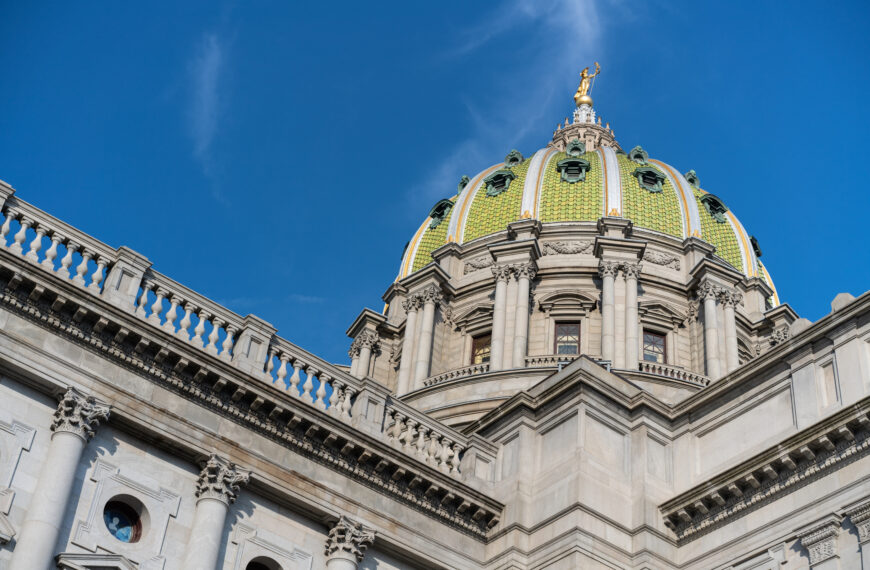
(586, 80)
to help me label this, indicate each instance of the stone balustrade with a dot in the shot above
(674, 372)
(310, 379)
(419, 436)
(54, 245)
(457, 373)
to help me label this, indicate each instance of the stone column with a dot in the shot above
(411, 305)
(431, 298)
(496, 355)
(631, 271)
(607, 270)
(368, 342)
(860, 517)
(346, 544)
(820, 541)
(76, 418)
(708, 292)
(730, 299)
(216, 489)
(525, 273)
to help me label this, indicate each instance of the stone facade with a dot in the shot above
(144, 426)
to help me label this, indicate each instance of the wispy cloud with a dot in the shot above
(563, 37)
(206, 68)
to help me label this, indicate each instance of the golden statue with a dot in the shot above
(586, 80)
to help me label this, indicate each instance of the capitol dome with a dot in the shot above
(579, 177)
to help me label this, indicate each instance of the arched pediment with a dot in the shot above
(477, 316)
(567, 301)
(662, 314)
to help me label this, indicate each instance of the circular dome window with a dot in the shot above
(123, 519)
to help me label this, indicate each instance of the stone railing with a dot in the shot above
(550, 360)
(418, 435)
(457, 373)
(674, 372)
(54, 245)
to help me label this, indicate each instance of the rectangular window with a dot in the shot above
(480, 348)
(654, 347)
(567, 338)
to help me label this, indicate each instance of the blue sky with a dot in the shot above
(277, 156)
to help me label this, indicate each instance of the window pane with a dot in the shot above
(567, 338)
(653, 347)
(480, 349)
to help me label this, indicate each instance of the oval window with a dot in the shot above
(122, 521)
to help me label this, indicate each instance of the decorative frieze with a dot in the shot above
(566, 247)
(348, 539)
(663, 259)
(821, 540)
(477, 263)
(79, 414)
(220, 479)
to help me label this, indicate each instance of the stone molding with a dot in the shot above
(566, 247)
(820, 540)
(663, 259)
(833, 443)
(608, 268)
(221, 480)
(79, 414)
(860, 517)
(348, 539)
(195, 375)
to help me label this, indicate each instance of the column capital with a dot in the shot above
(431, 294)
(368, 339)
(730, 297)
(412, 303)
(220, 479)
(502, 272)
(821, 539)
(631, 270)
(860, 517)
(528, 270)
(79, 414)
(608, 268)
(348, 538)
(708, 290)
(354, 349)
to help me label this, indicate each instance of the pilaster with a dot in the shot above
(820, 540)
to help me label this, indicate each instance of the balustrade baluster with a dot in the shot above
(309, 384)
(66, 262)
(17, 245)
(410, 435)
(282, 371)
(200, 328)
(434, 448)
(399, 430)
(143, 297)
(7, 225)
(51, 252)
(421, 441)
(214, 336)
(444, 458)
(391, 427)
(172, 313)
(295, 378)
(347, 394)
(157, 306)
(97, 277)
(335, 397)
(36, 245)
(227, 346)
(454, 462)
(184, 325)
(270, 365)
(82, 269)
(320, 396)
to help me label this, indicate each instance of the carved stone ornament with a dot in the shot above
(528, 270)
(353, 352)
(708, 290)
(566, 247)
(481, 262)
(821, 541)
(220, 479)
(663, 259)
(730, 297)
(412, 303)
(79, 414)
(860, 517)
(779, 335)
(502, 272)
(348, 538)
(431, 294)
(608, 268)
(368, 339)
(631, 270)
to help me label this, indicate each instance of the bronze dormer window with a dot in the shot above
(498, 182)
(438, 212)
(649, 178)
(715, 207)
(573, 169)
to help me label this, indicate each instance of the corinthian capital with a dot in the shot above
(368, 339)
(708, 290)
(502, 272)
(79, 414)
(608, 268)
(412, 303)
(431, 294)
(528, 270)
(348, 539)
(631, 270)
(730, 297)
(220, 479)
(354, 348)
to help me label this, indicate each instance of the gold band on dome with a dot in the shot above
(545, 164)
(687, 221)
(469, 198)
(745, 247)
(407, 263)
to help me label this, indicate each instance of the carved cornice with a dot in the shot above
(348, 539)
(79, 414)
(53, 303)
(608, 268)
(821, 539)
(220, 480)
(829, 445)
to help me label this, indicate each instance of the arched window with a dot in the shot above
(263, 563)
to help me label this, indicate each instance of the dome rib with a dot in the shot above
(460, 210)
(529, 206)
(611, 182)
